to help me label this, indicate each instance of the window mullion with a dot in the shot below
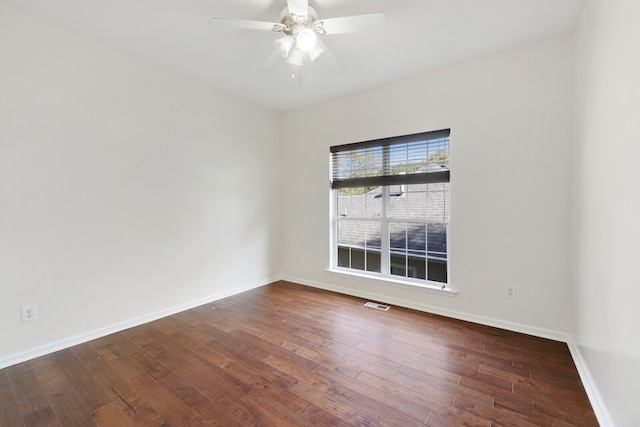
(384, 233)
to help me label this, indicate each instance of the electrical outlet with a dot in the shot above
(29, 313)
(510, 292)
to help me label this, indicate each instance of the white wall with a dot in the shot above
(117, 200)
(125, 189)
(607, 202)
(509, 116)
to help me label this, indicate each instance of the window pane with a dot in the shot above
(417, 238)
(372, 246)
(437, 199)
(437, 270)
(343, 202)
(372, 239)
(437, 240)
(408, 201)
(357, 258)
(419, 201)
(360, 202)
(407, 265)
(344, 256)
(359, 245)
(437, 251)
(407, 242)
(408, 236)
(398, 236)
(343, 236)
(344, 233)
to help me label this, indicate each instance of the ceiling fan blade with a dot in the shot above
(269, 64)
(331, 59)
(241, 24)
(352, 24)
(298, 7)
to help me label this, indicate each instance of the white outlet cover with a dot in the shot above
(29, 313)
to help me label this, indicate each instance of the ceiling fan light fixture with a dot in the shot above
(306, 39)
(295, 57)
(284, 45)
(301, 30)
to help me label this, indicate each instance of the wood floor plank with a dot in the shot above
(98, 367)
(135, 407)
(300, 373)
(208, 380)
(454, 417)
(407, 401)
(243, 414)
(51, 378)
(88, 389)
(276, 405)
(237, 370)
(9, 413)
(43, 417)
(115, 346)
(110, 415)
(291, 355)
(70, 409)
(314, 416)
(254, 362)
(206, 411)
(333, 404)
(163, 402)
(29, 395)
(374, 406)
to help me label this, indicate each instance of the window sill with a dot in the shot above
(403, 284)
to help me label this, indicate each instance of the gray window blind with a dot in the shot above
(420, 158)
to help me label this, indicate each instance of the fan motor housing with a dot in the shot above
(291, 23)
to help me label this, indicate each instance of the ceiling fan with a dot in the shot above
(301, 28)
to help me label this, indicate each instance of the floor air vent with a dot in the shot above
(377, 306)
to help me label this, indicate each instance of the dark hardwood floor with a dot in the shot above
(286, 354)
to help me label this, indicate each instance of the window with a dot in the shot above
(391, 206)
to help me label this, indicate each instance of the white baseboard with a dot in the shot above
(488, 321)
(49, 348)
(595, 398)
(599, 407)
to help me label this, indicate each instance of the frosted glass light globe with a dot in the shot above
(306, 39)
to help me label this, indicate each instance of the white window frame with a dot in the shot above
(385, 275)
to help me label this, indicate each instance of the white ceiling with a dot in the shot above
(420, 35)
